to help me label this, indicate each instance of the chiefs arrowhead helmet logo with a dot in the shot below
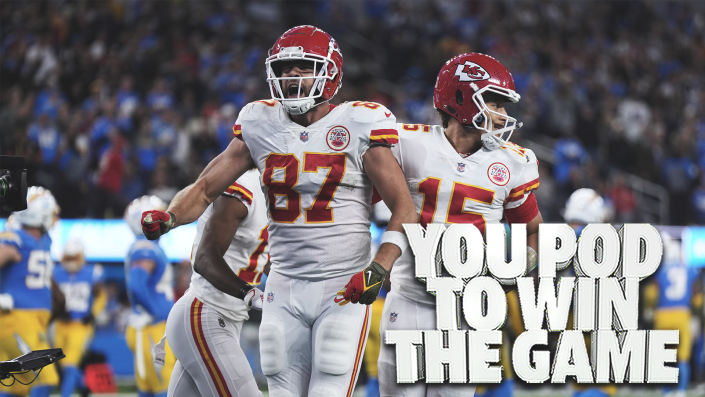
(470, 71)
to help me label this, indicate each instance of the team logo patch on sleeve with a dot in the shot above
(498, 174)
(338, 138)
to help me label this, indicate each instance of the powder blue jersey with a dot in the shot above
(160, 291)
(29, 280)
(675, 280)
(78, 288)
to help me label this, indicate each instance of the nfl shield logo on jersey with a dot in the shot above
(498, 174)
(304, 136)
(393, 317)
(270, 297)
(338, 138)
(461, 167)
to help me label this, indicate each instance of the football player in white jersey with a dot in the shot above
(318, 164)
(229, 252)
(463, 171)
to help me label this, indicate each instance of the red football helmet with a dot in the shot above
(470, 76)
(312, 44)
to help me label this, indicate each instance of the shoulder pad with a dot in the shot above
(253, 110)
(11, 236)
(367, 112)
(518, 154)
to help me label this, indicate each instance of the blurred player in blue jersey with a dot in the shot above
(73, 330)
(675, 281)
(26, 289)
(149, 287)
(584, 207)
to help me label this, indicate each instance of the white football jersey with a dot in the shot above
(449, 188)
(317, 192)
(248, 251)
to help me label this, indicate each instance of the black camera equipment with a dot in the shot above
(32, 361)
(13, 183)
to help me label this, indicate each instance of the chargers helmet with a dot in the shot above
(307, 43)
(42, 210)
(585, 206)
(459, 88)
(133, 213)
(73, 257)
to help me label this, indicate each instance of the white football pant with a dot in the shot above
(309, 344)
(401, 313)
(207, 347)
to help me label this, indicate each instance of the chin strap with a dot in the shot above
(304, 105)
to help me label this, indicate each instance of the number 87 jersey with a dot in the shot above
(448, 187)
(317, 193)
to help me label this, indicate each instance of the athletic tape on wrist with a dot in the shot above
(532, 259)
(172, 218)
(396, 238)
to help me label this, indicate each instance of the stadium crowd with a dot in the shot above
(110, 100)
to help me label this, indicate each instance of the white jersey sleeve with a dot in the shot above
(528, 179)
(248, 251)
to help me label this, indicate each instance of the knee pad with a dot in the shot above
(272, 348)
(337, 345)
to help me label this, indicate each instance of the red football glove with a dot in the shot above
(364, 287)
(157, 223)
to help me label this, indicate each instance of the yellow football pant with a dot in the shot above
(373, 339)
(73, 337)
(150, 377)
(22, 331)
(677, 318)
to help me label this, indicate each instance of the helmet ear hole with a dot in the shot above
(480, 118)
(459, 97)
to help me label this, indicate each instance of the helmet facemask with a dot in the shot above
(493, 139)
(324, 69)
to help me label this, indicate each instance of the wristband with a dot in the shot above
(396, 238)
(245, 289)
(172, 219)
(532, 259)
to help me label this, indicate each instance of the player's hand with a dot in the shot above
(364, 287)
(7, 302)
(157, 223)
(254, 299)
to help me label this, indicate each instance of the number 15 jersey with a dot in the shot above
(317, 193)
(448, 187)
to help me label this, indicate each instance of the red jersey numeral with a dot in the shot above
(456, 206)
(456, 213)
(250, 273)
(415, 127)
(282, 188)
(429, 188)
(369, 105)
(319, 211)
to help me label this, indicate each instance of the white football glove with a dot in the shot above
(254, 299)
(7, 303)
